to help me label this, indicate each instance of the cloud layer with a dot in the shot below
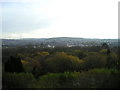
(58, 18)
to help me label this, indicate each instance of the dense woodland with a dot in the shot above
(61, 67)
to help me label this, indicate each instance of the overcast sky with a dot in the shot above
(59, 18)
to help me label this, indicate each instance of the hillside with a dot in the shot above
(58, 42)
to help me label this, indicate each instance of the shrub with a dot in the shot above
(112, 60)
(95, 60)
(80, 54)
(18, 80)
(61, 62)
(103, 51)
(96, 78)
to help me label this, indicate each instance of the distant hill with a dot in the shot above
(58, 41)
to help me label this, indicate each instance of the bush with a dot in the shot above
(56, 80)
(96, 78)
(103, 51)
(18, 80)
(95, 60)
(61, 62)
(80, 54)
(42, 53)
(112, 61)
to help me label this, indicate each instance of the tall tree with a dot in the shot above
(13, 65)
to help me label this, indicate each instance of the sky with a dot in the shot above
(59, 18)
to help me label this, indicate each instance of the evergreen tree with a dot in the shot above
(14, 65)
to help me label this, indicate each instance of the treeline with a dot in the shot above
(95, 78)
(79, 67)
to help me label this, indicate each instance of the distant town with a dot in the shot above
(56, 42)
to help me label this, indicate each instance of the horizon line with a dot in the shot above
(58, 37)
